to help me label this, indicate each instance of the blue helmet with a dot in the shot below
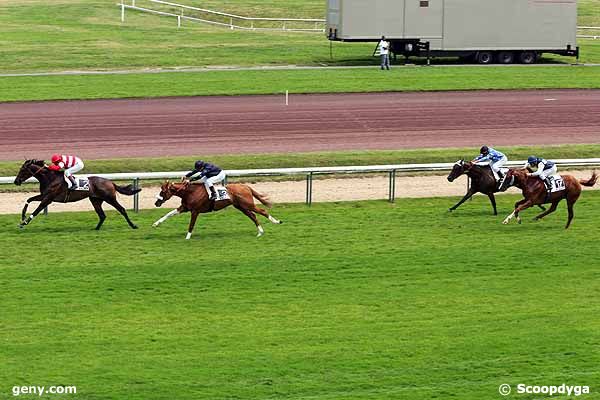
(199, 164)
(532, 160)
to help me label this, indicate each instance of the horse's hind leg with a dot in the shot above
(252, 216)
(549, 211)
(265, 214)
(97, 203)
(119, 208)
(570, 202)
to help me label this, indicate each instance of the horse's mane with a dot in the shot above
(34, 161)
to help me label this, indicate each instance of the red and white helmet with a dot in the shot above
(56, 158)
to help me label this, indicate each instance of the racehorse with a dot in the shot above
(534, 192)
(194, 199)
(53, 188)
(482, 181)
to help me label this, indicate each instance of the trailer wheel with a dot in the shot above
(484, 57)
(506, 57)
(528, 57)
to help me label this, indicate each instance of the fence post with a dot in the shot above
(122, 11)
(136, 197)
(309, 179)
(392, 188)
(133, 3)
(179, 21)
(46, 211)
(231, 22)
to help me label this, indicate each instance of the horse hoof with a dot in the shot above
(21, 226)
(155, 225)
(450, 210)
(134, 226)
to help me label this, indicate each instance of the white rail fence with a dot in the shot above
(589, 28)
(232, 21)
(310, 173)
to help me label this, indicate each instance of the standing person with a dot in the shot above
(70, 164)
(207, 173)
(545, 169)
(384, 52)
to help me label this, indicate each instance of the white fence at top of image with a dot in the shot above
(310, 172)
(231, 21)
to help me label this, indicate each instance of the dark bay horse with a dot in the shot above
(534, 192)
(482, 181)
(53, 188)
(195, 200)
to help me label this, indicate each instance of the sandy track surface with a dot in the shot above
(259, 124)
(326, 190)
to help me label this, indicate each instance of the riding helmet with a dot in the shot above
(484, 150)
(531, 160)
(56, 158)
(199, 164)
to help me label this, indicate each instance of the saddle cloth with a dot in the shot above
(558, 183)
(82, 183)
(222, 193)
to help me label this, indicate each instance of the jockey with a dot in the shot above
(494, 159)
(70, 164)
(207, 173)
(545, 169)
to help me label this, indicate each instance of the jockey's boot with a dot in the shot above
(73, 184)
(213, 193)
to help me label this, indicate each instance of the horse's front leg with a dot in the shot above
(43, 204)
(29, 200)
(467, 196)
(171, 213)
(192, 223)
(519, 206)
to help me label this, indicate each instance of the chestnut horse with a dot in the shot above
(535, 192)
(195, 200)
(53, 188)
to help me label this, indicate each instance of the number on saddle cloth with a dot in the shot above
(81, 183)
(557, 183)
(222, 193)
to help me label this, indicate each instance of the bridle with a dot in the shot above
(171, 188)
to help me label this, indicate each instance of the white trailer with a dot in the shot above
(484, 31)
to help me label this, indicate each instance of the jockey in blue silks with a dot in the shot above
(545, 169)
(494, 158)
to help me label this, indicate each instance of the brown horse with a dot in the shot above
(53, 188)
(535, 192)
(195, 200)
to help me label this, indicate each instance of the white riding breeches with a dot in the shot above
(70, 171)
(495, 165)
(209, 182)
(547, 172)
(75, 168)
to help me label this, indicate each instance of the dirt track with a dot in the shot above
(259, 124)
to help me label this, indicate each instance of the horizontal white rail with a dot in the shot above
(587, 162)
(231, 17)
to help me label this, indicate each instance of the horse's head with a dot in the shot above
(166, 192)
(28, 169)
(459, 168)
(515, 177)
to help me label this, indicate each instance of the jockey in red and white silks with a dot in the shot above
(70, 164)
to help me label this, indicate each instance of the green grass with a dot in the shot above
(321, 159)
(343, 301)
(297, 81)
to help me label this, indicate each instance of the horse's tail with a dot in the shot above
(127, 190)
(263, 198)
(591, 181)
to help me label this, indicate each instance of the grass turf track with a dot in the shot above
(343, 301)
